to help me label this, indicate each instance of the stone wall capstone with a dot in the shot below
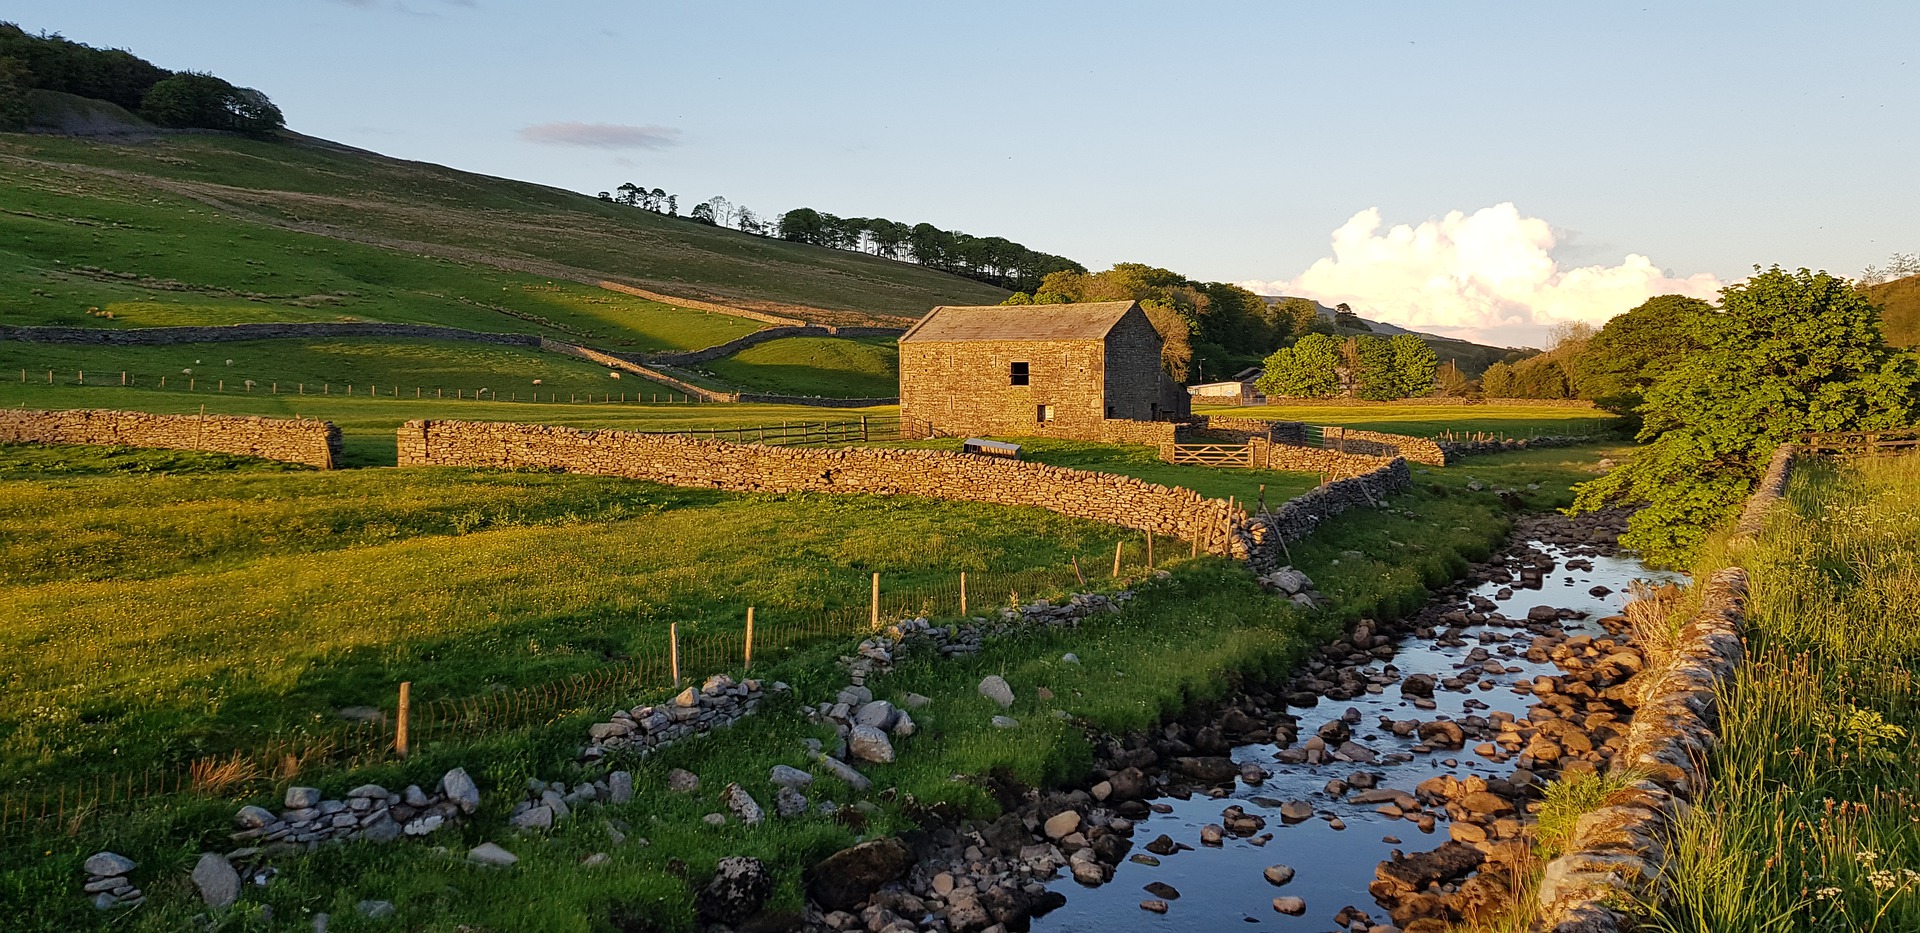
(710, 464)
(314, 443)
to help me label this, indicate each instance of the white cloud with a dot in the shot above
(602, 135)
(1489, 276)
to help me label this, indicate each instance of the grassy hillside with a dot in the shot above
(868, 367)
(227, 218)
(1899, 302)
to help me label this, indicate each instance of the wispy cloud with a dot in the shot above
(602, 135)
(1492, 275)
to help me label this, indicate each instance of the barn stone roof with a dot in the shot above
(958, 324)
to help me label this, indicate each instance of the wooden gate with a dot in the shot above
(1214, 454)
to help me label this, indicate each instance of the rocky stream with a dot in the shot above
(1386, 787)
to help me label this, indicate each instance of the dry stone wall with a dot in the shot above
(1259, 539)
(699, 305)
(686, 461)
(719, 350)
(226, 333)
(314, 443)
(1771, 488)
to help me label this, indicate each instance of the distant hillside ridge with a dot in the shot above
(1899, 302)
(1472, 358)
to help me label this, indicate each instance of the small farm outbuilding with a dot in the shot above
(1087, 370)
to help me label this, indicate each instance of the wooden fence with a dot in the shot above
(1862, 443)
(645, 677)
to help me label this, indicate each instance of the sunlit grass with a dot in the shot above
(1813, 821)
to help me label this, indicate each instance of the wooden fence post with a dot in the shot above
(748, 665)
(963, 594)
(673, 651)
(1117, 545)
(876, 602)
(1076, 571)
(400, 723)
(1149, 550)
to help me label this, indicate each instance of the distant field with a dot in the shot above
(830, 367)
(1143, 462)
(167, 614)
(1429, 420)
(296, 219)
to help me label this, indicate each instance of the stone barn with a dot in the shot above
(1089, 371)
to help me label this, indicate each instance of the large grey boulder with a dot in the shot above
(787, 776)
(219, 884)
(488, 853)
(995, 688)
(845, 772)
(869, 744)
(845, 879)
(744, 807)
(620, 787)
(106, 864)
(739, 889)
(300, 798)
(460, 789)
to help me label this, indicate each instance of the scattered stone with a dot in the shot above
(375, 910)
(105, 864)
(1278, 874)
(744, 807)
(845, 772)
(300, 798)
(1005, 722)
(1061, 825)
(488, 853)
(461, 790)
(844, 880)
(1291, 906)
(1162, 890)
(786, 776)
(620, 787)
(869, 744)
(1296, 811)
(1154, 906)
(995, 688)
(682, 781)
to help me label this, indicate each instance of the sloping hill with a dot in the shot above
(233, 218)
(1899, 302)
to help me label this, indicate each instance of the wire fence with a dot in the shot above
(70, 805)
(220, 385)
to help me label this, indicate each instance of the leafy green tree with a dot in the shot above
(1308, 369)
(1786, 353)
(1374, 377)
(1297, 316)
(1624, 358)
(15, 82)
(193, 99)
(1497, 381)
(1414, 365)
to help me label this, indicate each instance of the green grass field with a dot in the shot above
(206, 599)
(1812, 826)
(1430, 420)
(293, 220)
(1143, 462)
(829, 367)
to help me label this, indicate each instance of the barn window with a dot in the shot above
(1045, 413)
(1019, 375)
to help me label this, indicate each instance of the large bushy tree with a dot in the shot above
(1415, 366)
(1785, 353)
(1308, 369)
(192, 99)
(1617, 365)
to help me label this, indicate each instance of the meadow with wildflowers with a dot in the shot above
(1814, 820)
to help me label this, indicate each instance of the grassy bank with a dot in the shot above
(830, 367)
(1182, 641)
(1430, 420)
(1811, 824)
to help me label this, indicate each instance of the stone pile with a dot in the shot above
(875, 655)
(719, 702)
(1294, 585)
(369, 812)
(107, 884)
(546, 803)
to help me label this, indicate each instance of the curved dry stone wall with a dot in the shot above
(711, 464)
(1771, 488)
(314, 443)
(709, 354)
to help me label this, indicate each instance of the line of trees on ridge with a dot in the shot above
(183, 99)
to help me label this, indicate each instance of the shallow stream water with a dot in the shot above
(1223, 888)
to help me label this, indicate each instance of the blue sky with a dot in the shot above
(1227, 141)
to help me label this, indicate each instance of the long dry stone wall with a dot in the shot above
(314, 443)
(225, 333)
(719, 350)
(1771, 488)
(686, 461)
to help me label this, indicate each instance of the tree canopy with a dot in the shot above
(1786, 353)
(175, 99)
(1363, 366)
(1308, 369)
(994, 260)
